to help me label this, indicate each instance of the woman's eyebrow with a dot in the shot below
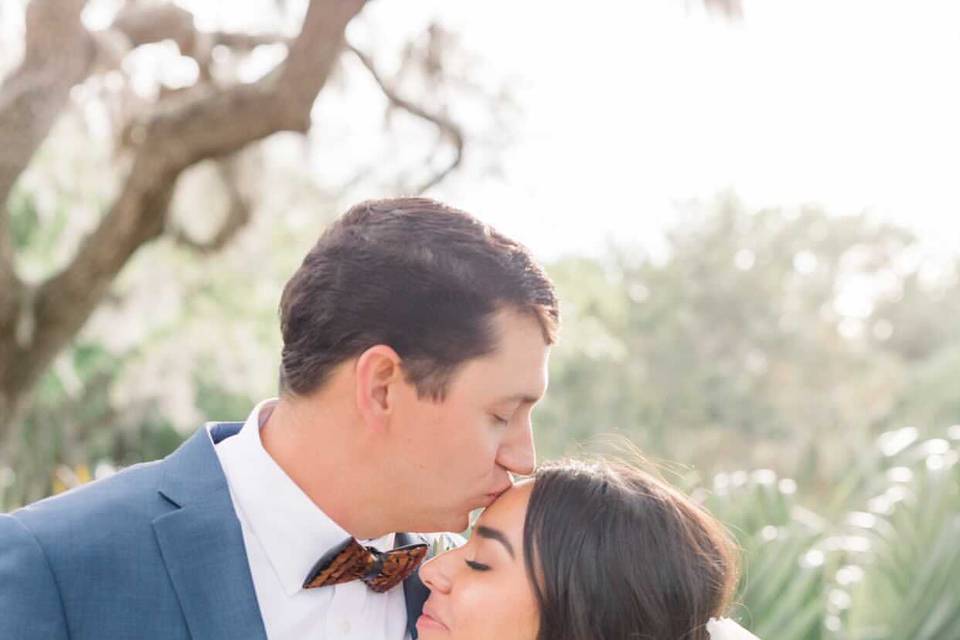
(496, 534)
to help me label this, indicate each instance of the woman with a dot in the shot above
(585, 551)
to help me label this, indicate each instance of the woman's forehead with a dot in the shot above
(508, 511)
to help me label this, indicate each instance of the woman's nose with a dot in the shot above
(433, 575)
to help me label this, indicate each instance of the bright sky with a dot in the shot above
(632, 107)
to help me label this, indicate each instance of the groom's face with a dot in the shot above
(457, 455)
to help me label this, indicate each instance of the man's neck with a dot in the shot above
(316, 447)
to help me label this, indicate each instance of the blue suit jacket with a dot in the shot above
(154, 551)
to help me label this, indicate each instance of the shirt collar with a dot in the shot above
(293, 531)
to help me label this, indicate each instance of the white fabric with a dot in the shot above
(285, 533)
(727, 629)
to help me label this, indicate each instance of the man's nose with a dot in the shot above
(518, 453)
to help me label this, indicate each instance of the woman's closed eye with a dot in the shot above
(476, 566)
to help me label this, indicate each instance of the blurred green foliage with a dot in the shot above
(887, 569)
(770, 339)
(767, 339)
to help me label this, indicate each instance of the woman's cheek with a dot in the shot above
(501, 610)
(519, 609)
(472, 611)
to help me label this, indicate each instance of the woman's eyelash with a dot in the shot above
(499, 419)
(476, 566)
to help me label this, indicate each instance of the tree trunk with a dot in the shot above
(37, 322)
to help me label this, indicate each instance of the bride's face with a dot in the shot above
(481, 590)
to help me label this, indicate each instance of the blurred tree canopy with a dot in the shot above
(786, 340)
(771, 338)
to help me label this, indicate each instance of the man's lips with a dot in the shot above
(499, 492)
(488, 500)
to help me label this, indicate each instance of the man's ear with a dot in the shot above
(377, 372)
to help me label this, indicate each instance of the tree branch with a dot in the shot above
(730, 9)
(143, 24)
(208, 124)
(58, 54)
(237, 217)
(9, 282)
(448, 128)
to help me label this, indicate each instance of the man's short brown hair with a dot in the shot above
(413, 274)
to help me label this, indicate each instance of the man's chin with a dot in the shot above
(454, 523)
(457, 524)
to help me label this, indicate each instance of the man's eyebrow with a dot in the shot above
(523, 397)
(496, 534)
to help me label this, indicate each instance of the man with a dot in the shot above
(415, 344)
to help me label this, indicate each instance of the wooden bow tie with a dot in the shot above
(381, 571)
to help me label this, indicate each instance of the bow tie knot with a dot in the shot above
(379, 570)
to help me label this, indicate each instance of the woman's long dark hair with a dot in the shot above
(614, 553)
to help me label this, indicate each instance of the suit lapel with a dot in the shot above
(202, 545)
(414, 591)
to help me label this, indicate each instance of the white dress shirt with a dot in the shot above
(285, 534)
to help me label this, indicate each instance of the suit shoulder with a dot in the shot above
(123, 498)
(29, 597)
